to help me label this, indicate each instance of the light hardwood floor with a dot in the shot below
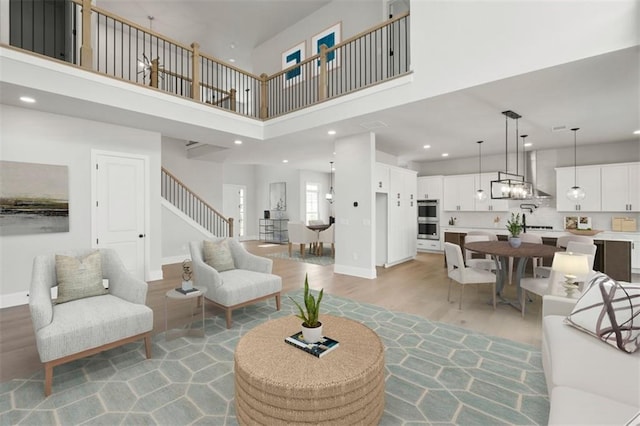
(417, 287)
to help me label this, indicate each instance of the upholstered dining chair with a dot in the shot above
(487, 263)
(301, 235)
(563, 241)
(327, 236)
(457, 271)
(316, 222)
(85, 319)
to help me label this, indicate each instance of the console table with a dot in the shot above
(274, 230)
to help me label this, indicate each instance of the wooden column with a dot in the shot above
(264, 110)
(232, 99)
(86, 50)
(195, 66)
(231, 227)
(322, 79)
(153, 76)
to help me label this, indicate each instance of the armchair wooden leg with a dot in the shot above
(227, 314)
(147, 346)
(48, 378)
(277, 302)
(290, 245)
(302, 251)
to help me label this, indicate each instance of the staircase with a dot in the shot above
(181, 197)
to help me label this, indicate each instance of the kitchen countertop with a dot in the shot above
(549, 233)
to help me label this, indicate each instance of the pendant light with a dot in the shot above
(510, 186)
(329, 195)
(575, 193)
(481, 196)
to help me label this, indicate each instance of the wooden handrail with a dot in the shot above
(194, 195)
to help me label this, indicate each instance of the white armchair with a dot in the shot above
(79, 328)
(250, 281)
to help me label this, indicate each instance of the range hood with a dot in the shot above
(531, 174)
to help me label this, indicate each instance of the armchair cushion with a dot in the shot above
(218, 255)
(79, 277)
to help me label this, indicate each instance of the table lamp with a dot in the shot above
(571, 265)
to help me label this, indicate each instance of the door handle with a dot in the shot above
(141, 236)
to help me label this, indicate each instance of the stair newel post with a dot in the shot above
(264, 111)
(86, 50)
(231, 227)
(322, 80)
(232, 99)
(195, 66)
(153, 77)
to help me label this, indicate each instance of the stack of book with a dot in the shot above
(318, 349)
(190, 290)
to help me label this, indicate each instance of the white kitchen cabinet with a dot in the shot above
(429, 245)
(381, 178)
(459, 193)
(588, 178)
(402, 215)
(620, 187)
(635, 254)
(489, 205)
(430, 188)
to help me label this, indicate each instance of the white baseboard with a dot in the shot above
(355, 272)
(14, 299)
(175, 259)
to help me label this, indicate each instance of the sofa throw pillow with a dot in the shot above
(610, 311)
(218, 255)
(79, 277)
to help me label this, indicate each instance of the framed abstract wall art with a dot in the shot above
(329, 37)
(290, 57)
(34, 198)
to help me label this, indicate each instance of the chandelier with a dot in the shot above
(510, 186)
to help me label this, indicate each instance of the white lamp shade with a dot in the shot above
(575, 193)
(575, 264)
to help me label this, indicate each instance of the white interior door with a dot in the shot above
(234, 205)
(119, 208)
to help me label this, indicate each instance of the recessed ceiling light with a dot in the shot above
(427, 146)
(331, 132)
(232, 60)
(285, 161)
(637, 132)
(445, 154)
(238, 142)
(528, 144)
(27, 99)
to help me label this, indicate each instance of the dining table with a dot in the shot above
(501, 252)
(318, 228)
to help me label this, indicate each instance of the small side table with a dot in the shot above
(176, 295)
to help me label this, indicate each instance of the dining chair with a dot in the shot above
(563, 241)
(327, 236)
(457, 271)
(487, 263)
(533, 239)
(316, 222)
(300, 234)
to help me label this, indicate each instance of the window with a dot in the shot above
(312, 197)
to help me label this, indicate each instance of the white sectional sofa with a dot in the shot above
(589, 381)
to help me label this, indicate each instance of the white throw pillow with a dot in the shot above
(79, 277)
(609, 311)
(218, 255)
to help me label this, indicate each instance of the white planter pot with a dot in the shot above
(312, 335)
(515, 241)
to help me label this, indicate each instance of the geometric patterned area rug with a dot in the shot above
(436, 374)
(323, 260)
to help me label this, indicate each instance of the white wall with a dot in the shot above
(36, 137)
(355, 226)
(324, 207)
(240, 174)
(269, 174)
(355, 15)
(176, 234)
(459, 44)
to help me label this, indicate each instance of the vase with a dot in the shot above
(312, 335)
(515, 242)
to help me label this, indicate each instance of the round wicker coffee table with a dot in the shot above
(279, 384)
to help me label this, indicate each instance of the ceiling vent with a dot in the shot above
(560, 128)
(372, 125)
(191, 143)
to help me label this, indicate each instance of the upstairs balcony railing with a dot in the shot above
(93, 38)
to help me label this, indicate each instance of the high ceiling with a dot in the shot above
(599, 94)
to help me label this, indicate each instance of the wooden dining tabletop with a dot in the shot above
(503, 248)
(321, 227)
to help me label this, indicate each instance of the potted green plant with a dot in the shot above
(515, 228)
(311, 327)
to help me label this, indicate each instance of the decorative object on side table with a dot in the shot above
(318, 349)
(311, 327)
(572, 266)
(514, 226)
(187, 284)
